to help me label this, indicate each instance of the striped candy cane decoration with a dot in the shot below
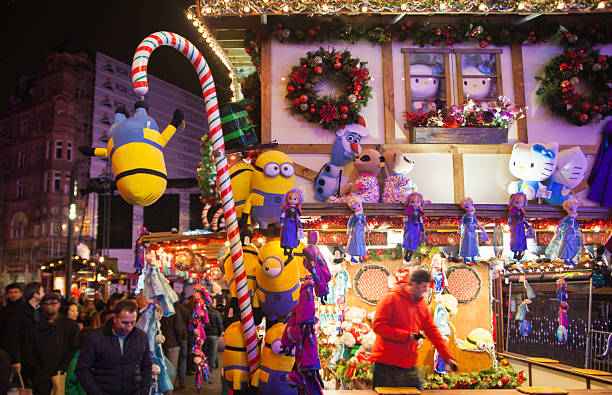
(141, 86)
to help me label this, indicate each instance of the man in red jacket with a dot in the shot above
(400, 317)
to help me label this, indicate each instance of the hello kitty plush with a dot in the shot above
(533, 164)
(476, 87)
(571, 169)
(422, 87)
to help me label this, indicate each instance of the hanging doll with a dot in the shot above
(414, 230)
(563, 323)
(446, 306)
(154, 286)
(199, 320)
(469, 238)
(291, 226)
(438, 273)
(357, 226)
(315, 263)
(519, 228)
(523, 309)
(561, 290)
(566, 244)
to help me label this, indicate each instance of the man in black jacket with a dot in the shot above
(50, 344)
(10, 324)
(181, 371)
(213, 329)
(116, 359)
(174, 330)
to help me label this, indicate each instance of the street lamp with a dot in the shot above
(71, 217)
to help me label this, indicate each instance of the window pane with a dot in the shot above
(427, 80)
(478, 64)
(427, 63)
(162, 215)
(195, 212)
(120, 225)
(480, 87)
(476, 69)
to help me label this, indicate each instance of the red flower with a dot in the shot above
(359, 74)
(299, 76)
(563, 66)
(328, 113)
(520, 377)
(351, 370)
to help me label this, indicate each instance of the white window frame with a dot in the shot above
(59, 149)
(57, 178)
(69, 150)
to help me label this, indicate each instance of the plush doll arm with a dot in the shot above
(513, 187)
(177, 120)
(90, 151)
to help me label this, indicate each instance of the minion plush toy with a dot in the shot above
(275, 365)
(235, 360)
(270, 178)
(135, 150)
(278, 281)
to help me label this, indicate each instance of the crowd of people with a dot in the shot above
(92, 341)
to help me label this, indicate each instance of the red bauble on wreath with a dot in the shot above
(339, 68)
(577, 86)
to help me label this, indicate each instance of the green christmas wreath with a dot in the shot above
(577, 86)
(340, 68)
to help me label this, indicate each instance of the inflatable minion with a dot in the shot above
(479, 339)
(235, 359)
(278, 281)
(135, 150)
(275, 366)
(251, 262)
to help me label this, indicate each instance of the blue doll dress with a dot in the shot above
(290, 220)
(441, 320)
(566, 244)
(413, 226)
(153, 285)
(517, 223)
(469, 239)
(356, 244)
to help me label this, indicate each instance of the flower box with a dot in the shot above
(461, 135)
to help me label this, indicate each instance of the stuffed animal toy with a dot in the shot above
(235, 360)
(423, 86)
(274, 367)
(468, 245)
(397, 185)
(345, 148)
(251, 263)
(278, 281)
(571, 170)
(533, 164)
(357, 226)
(291, 226)
(367, 343)
(365, 186)
(135, 149)
(566, 244)
(268, 180)
(519, 227)
(477, 86)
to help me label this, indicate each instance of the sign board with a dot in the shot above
(341, 238)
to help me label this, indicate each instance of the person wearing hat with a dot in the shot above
(400, 317)
(50, 344)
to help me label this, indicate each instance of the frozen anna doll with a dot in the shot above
(357, 226)
(414, 230)
(468, 246)
(566, 244)
(519, 228)
(291, 226)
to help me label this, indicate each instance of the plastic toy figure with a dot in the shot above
(414, 230)
(357, 226)
(438, 273)
(566, 244)
(291, 227)
(519, 228)
(469, 238)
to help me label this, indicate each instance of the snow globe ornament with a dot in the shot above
(423, 85)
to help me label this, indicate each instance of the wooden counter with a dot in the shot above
(472, 392)
(560, 372)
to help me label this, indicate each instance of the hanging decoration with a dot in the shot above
(207, 174)
(340, 68)
(464, 283)
(563, 307)
(577, 86)
(199, 320)
(523, 309)
(372, 283)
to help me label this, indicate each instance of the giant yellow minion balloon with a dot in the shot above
(235, 361)
(275, 366)
(272, 176)
(135, 150)
(251, 262)
(278, 281)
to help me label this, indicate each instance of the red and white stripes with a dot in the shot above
(141, 86)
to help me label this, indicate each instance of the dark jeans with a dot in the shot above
(182, 363)
(395, 376)
(210, 350)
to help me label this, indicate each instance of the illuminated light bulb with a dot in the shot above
(560, 5)
(194, 23)
(521, 6)
(204, 35)
(208, 10)
(247, 8)
(482, 7)
(364, 9)
(227, 243)
(286, 8)
(283, 78)
(325, 226)
(325, 7)
(193, 246)
(597, 229)
(551, 227)
(201, 29)
(404, 6)
(51, 264)
(189, 16)
(601, 5)
(101, 259)
(265, 1)
(43, 267)
(260, 240)
(442, 6)
(586, 265)
(506, 227)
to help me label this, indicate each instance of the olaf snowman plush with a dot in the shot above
(476, 87)
(532, 164)
(423, 87)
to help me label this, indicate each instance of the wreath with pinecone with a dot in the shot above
(350, 76)
(577, 86)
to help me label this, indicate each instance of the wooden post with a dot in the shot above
(458, 179)
(388, 94)
(518, 82)
(266, 91)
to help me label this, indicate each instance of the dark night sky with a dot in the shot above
(113, 27)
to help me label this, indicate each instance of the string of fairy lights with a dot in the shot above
(326, 7)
